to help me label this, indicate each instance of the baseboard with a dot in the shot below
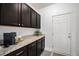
(55, 51)
(48, 49)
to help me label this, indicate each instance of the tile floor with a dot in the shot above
(48, 53)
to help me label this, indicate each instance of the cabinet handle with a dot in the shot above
(19, 53)
(22, 25)
(32, 44)
(19, 24)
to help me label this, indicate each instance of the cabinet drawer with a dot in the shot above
(32, 44)
(38, 41)
(19, 52)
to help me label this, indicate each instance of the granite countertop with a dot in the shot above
(26, 40)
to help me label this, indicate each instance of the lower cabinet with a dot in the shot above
(42, 44)
(33, 49)
(38, 47)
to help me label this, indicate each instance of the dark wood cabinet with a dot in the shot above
(42, 43)
(19, 52)
(36, 48)
(19, 14)
(0, 10)
(38, 21)
(25, 20)
(9, 14)
(32, 49)
(39, 47)
(33, 19)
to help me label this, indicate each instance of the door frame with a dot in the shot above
(53, 32)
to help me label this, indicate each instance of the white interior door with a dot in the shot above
(62, 34)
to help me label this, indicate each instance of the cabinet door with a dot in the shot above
(38, 21)
(33, 19)
(25, 16)
(10, 14)
(32, 49)
(42, 43)
(39, 47)
(0, 12)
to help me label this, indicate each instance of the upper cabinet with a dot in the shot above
(19, 14)
(9, 14)
(38, 21)
(25, 20)
(33, 18)
(0, 13)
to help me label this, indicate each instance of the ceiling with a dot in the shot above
(40, 5)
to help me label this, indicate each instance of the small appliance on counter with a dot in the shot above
(9, 39)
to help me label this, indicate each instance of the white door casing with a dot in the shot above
(62, 34)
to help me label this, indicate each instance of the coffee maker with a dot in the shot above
(9, 39)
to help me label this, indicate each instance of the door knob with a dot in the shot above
(69, 36)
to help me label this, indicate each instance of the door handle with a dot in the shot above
(69, 36)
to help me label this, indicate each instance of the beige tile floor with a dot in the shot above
(48, 53)
(56, 54)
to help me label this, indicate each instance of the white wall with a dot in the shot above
(46, 20)
(77, 35)
(19, 30)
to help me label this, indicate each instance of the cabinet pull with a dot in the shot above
(19, 53)
(22, 25)
(32, 44)
(19, 24)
